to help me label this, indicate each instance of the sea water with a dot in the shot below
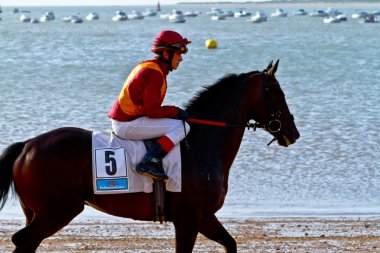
(56, 74)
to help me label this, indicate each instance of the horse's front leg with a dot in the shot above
(186, 231)
(211, 227)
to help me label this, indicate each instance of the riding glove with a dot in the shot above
(182, 114)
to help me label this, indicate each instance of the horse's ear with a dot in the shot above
(273, 69)
(269, 66)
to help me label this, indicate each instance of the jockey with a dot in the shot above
(138, 113)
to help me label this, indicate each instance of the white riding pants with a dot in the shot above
(148, 128)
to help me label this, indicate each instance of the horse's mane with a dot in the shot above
(219, 91)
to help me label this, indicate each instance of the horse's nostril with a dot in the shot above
(296, 135)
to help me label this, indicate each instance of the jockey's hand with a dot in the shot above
(182, 115)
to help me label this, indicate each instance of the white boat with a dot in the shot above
(214, 11)
(360, 14)
(370, 18)
(47, 16)
(72, 19)
(333, 12)
(24, 18)
(76, 19)
(190, 14)
(300, 12)
(342, 17)
(279, 13)
(149, 12)
(331, 20)
(176, 17)
(219, 16)
(120, 16)
(34, 21)
(135, 15)
(241, 14)
(259, 17)
(318, 13)
(92, 16)
(66, 19)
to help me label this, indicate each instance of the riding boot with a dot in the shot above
(151, 164)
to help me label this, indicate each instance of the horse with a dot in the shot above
(40, 170)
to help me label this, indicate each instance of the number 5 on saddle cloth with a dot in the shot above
(114, 161)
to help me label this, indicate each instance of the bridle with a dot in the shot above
(274, 124)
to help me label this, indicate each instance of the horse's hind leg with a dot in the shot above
(214, 230)
(27, 212)
(29, 238)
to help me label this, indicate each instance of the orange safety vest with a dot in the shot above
(124, 99)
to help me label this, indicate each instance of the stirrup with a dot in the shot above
(152, 170)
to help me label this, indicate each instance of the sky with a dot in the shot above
(93, 2)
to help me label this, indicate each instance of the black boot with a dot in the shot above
(151, 164)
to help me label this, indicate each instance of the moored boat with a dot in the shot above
(135, 15)
(24, 18)
(176, 17)
(259, 17)
(47, 16)
(279, 13)
(300, 12)
(92, 16)
(120, 16)
(318, 13)
(331, 20)
(149, 12)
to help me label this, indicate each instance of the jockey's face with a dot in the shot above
(177, 58)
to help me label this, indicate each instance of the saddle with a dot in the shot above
(114, 163)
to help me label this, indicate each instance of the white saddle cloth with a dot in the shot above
(114, 161)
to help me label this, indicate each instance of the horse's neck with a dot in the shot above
(217, 145)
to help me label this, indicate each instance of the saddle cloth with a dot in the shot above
(114, 161)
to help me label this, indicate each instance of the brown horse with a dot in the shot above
(41, 169)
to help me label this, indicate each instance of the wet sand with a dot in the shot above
(326, 234)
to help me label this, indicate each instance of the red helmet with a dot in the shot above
(170, 40)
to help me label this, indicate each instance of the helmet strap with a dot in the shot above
(167, 61)
(170, 60)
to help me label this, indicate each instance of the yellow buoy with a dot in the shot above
(210, 43)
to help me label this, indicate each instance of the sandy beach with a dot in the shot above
(286, 234)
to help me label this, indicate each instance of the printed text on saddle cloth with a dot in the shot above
(114, 162)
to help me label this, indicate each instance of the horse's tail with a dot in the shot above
(7, 159)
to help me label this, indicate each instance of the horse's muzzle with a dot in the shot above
(288, 137)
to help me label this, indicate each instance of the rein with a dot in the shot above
(248, 125)
(224, 124)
